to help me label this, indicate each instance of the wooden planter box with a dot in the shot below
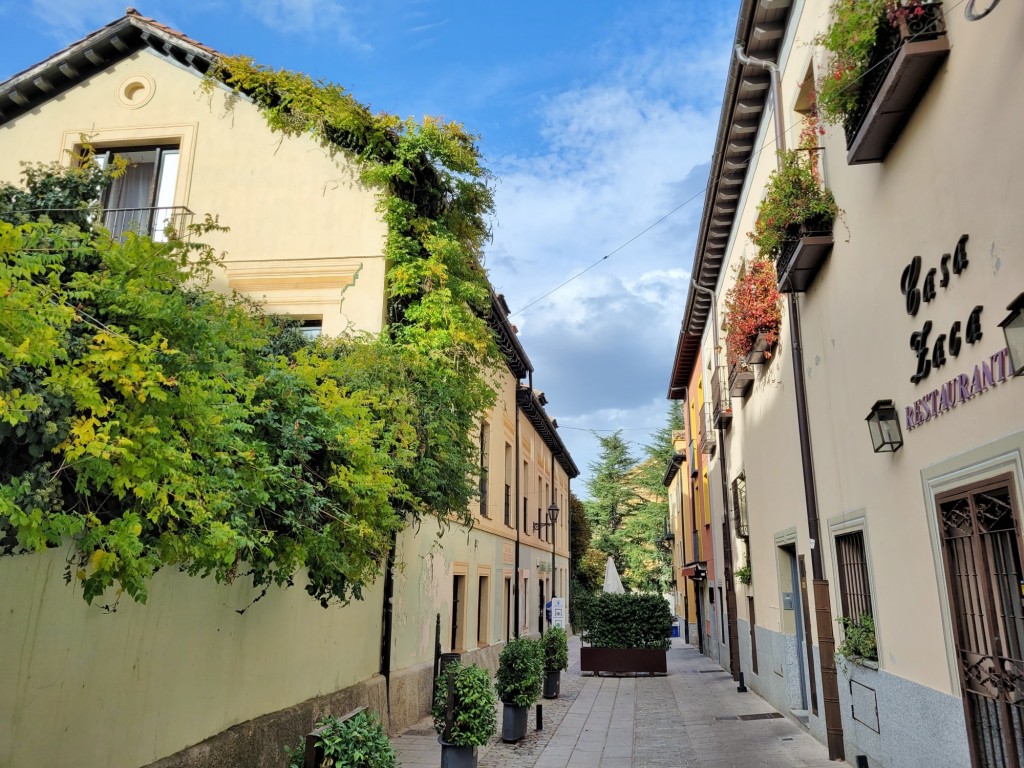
(648, 660)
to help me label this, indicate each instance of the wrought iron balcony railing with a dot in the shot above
(160, 224)
(720, 398)
(705, 431)
(903, 62)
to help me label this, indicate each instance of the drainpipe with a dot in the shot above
(515, 580)
(682, 527)
(730, 586)
(822, 599)
(387, 619)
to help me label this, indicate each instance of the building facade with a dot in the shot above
(909, 531)
(202, 673)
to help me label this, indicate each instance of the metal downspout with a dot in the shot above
(822, 599)
(515, 501)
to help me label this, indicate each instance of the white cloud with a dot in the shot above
(307, 17)
(619, 154)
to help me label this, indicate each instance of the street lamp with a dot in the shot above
(552, 517)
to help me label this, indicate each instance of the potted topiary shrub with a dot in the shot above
(464, 713)
(520, 675)
(357, 740)
(556, 658)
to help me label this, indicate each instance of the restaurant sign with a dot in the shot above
(958, 390)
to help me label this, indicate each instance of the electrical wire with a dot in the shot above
(769, 142)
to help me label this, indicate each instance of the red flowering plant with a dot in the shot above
(752, 307)
(794, 196)
(849, 41)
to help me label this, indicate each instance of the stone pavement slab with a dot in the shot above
(687, 719)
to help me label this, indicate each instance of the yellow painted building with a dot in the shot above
(164, 682)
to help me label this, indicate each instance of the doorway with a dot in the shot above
(981, 546)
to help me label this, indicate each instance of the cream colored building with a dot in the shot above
(202, 675)
(926, 538)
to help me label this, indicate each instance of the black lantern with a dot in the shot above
(884, 425)
(1013, 329)
(553, 512)
(699, 573)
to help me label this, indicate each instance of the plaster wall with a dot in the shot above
(127, 687)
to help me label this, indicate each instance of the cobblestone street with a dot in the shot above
(685, 720)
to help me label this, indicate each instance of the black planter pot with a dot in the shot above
(552, 682)
(457, 757)
(513, 722)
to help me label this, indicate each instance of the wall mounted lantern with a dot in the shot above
(884, 425)
(1013, 329)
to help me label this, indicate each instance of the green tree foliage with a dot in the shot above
(153, 422)
(579, 542)
(628, 508)
(613, 496)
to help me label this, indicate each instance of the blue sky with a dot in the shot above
(596, 118)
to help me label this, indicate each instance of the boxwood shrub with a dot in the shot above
(629, 620)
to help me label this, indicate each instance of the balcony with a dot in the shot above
(802, 255)
(902, 66)
(720, 400)
(160, 224)
(705, 431)
(741, 379)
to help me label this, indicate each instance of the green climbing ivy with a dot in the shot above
(153, 422)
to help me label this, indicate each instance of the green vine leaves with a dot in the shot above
(152, 422)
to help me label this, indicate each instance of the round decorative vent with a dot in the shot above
(136, 91)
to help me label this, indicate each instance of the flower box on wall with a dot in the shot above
(741, 379)
(760, 351)
(651, 661)
(800, 257)
(902, 66)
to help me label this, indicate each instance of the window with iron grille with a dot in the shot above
(854, 586)
(739, 506)
(485, 438)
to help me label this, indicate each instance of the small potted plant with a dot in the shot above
(464, 713)
(357, 740)
(520, 676)
(859, 644)
(556, 658)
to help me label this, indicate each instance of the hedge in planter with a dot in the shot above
(466, 719)
(627, 633)
(520, 676)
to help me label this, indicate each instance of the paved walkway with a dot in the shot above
(685, 720)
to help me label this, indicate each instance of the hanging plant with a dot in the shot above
(795, 199)
(752, 307)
